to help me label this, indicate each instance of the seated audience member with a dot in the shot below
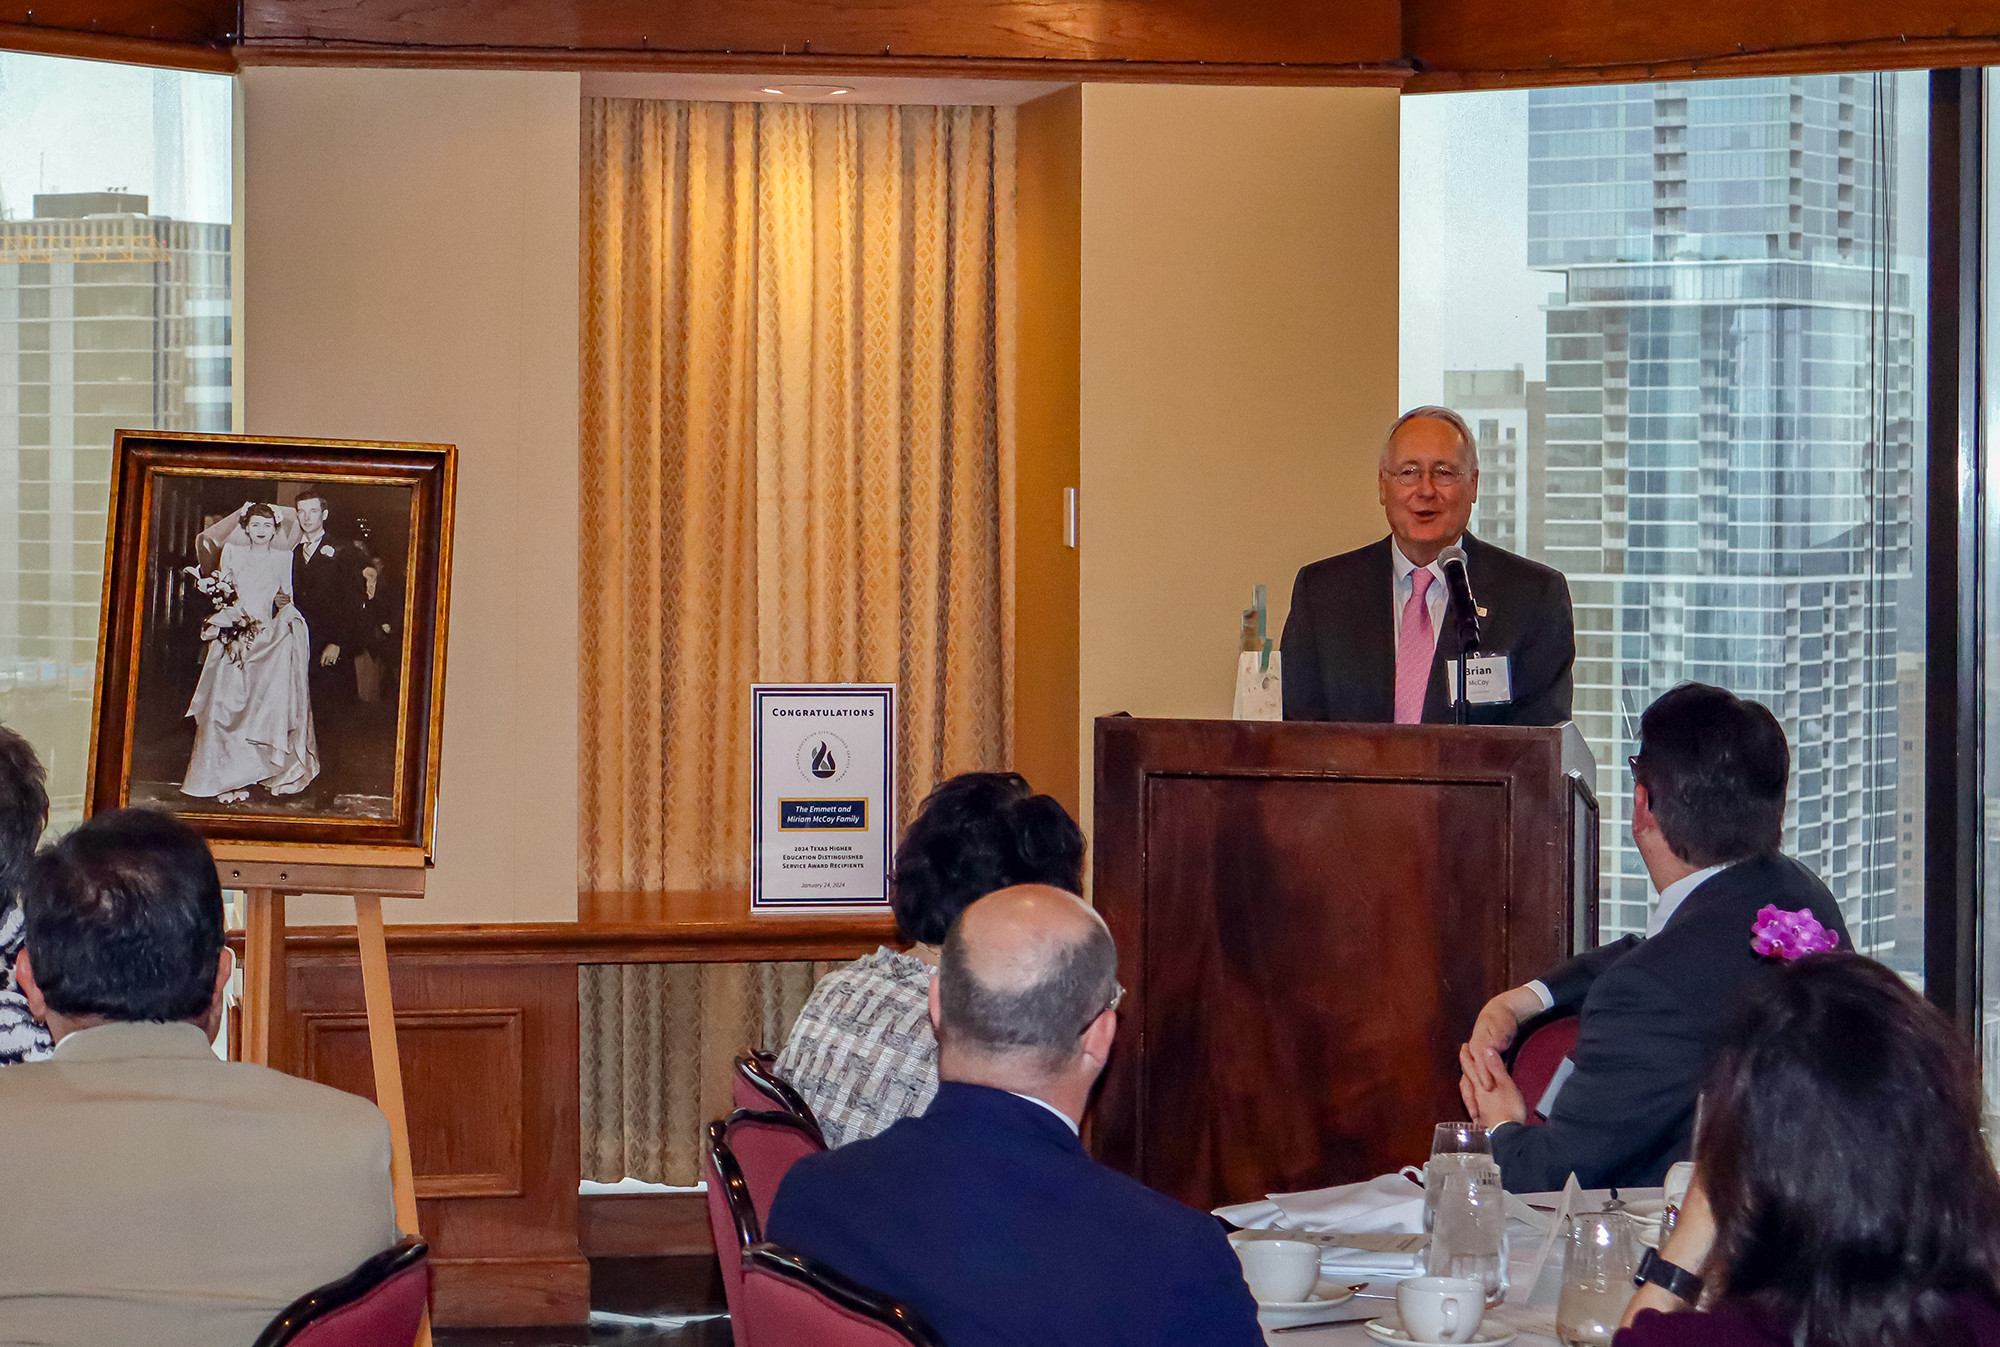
(1845, 1196)
(1708, 813)
(862, 1052)
(985, 1214)
(24, 812)
(160, 1196)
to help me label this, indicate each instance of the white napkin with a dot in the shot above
(1388, 1203)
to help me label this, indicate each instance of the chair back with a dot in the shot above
(379, 1304)
(792, 1301)
(757, 1085)
(1538, 1053)
(748, 1154)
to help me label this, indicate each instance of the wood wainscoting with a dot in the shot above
(486, 1025)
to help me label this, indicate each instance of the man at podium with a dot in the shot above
(1362, 641)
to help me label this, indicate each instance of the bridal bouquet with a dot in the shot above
(229, 623)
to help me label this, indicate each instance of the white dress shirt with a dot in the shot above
(1435, 597)
(1663, 912)
(1068, 1121)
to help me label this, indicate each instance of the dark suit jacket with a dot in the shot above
(1652, 1014)
(1340, 639)
(328, 590)
(987, 1217)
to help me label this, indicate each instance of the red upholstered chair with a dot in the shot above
(1544, 1042)
(791, 1301)
(379, 1304)
(748, 1154)
(757, 1085)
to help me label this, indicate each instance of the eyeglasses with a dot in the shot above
(1117, 995)
(1443, 477)
(1633, 763)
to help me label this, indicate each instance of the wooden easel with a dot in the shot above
(266, 880)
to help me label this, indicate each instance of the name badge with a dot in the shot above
(1489, 679)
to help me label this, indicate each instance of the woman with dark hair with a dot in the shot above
(862, 1052)
(1845, 1196)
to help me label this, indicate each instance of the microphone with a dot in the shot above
(1459, 585)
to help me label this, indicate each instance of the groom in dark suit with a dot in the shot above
(985, 1214)
(1370, 631)
(328, 589)
(1708, 813)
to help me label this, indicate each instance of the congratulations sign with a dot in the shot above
(825, 792)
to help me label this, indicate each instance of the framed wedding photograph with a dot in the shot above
(271, 649)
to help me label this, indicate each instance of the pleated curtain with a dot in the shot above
(797, 457)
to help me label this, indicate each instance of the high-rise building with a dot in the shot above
(110, 319)
(1725, 463)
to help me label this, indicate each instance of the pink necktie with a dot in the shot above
(1414, 649)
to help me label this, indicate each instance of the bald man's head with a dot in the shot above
(1025, 971)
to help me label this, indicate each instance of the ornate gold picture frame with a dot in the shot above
(271, 651)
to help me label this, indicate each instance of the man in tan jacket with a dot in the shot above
(154, 1194)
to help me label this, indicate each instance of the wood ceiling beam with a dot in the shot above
(1160, 39)
(185, 34)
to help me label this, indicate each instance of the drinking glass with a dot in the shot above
(1470, 1237)
(1598, 1262)
(1452, 1143)
(1460, 1138)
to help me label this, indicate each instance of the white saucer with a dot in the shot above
(1385, 1330)
(1278, 1313)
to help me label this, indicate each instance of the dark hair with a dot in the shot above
(24, 812)
(1046, 1018)
(258, 511)
(1715, 768)
(1841, 1152)
(977, 833)
(124, 919)
(312, 493)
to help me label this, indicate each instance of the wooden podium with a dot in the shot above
(1308, 918)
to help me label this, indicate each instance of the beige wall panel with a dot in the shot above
(1238, 369)
(410, 259)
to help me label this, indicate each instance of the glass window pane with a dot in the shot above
(1687, 320)
(115, 212)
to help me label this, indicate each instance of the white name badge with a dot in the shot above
(1489, 679)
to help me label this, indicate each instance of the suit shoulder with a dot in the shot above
(1519, 569)
(322, 1105)
(1338, 569)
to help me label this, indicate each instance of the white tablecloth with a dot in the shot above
(1535, 1323)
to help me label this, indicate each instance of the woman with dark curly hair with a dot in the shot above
(862, 1052)
(1845, 1195)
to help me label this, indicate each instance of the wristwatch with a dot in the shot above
(1675, 1280)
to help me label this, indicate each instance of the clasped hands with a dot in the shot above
(1489, 1092)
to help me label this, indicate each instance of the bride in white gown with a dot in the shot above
(252, 711)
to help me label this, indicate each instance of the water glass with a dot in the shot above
(1460, 1138)
(1470, 1236)
(1598, 1262)
(1442, 1169)
(1451, 1144)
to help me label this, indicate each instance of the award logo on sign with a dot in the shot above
(825, 796)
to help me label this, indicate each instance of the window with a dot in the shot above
(115, 209)
(1697, 309)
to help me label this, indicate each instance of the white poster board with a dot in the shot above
(825, 794)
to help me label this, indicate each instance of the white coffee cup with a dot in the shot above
(1680, 1176)
(1440, 1309)
(1283, 1271)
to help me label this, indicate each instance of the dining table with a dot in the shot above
(1529, 1311)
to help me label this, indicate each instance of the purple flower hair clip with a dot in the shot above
(1788, 935)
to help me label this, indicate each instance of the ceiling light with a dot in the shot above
(807, 90)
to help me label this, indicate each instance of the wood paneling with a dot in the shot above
(707, 926)
(1478, 43)
(644, 1225)
(1308, 919)
(1048, 287)
(1088, 31)
(489, 1054)
(463, 1054)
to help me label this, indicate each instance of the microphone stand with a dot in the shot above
(1466, 642)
